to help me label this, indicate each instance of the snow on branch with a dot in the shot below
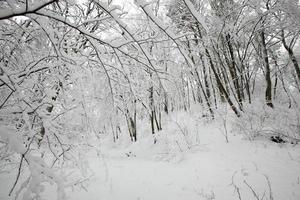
(165, 29)
(127, 30)
(25, 9)
(196, 14)
(76, 27)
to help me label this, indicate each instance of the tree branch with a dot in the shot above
(9, 13)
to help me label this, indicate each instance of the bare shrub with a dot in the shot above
(280, 124)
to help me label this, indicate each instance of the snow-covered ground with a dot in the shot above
(211, 170)
(170, 169)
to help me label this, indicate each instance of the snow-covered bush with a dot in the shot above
(280, 124)
(181, 133)
(38, 170)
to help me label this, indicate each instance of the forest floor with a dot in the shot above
(210, 169)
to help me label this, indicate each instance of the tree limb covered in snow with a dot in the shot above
(23, 10)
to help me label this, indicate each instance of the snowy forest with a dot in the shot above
(144, 100)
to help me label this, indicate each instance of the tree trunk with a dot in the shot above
(291, 55)
(221, 87)
(268, 94)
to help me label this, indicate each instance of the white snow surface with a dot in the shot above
(176, 169)
(13, 139)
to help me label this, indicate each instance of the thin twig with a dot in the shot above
(254, 193)
(270, 188)
(18, 175)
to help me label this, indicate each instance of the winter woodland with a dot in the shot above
(140, 99)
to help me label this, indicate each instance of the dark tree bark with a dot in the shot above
(221, 87)
(233, 71)
(291, 55)
(268, 93)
